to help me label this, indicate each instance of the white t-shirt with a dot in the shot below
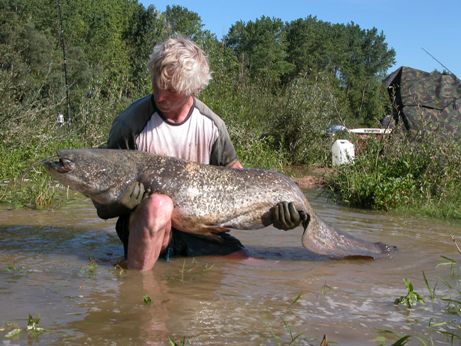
(202, 137)
(190, 140)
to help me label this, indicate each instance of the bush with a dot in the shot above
(404, 171)
(300, 117)
(246, 107)
(30, 133)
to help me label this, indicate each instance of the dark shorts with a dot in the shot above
(185, 244)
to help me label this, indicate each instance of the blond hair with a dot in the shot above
(178, 64)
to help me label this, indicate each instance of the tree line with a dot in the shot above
(276, 84)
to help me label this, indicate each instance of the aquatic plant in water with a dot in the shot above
(411, 298)
(147, 299)
(32, 328)
(446, 305)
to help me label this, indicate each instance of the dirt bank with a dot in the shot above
(314, 178)
(309, 182)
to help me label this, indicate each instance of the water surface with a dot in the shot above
(280, 293)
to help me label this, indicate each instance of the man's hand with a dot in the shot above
(133, 195)
(285, 216)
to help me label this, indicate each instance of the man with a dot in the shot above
(173, 122)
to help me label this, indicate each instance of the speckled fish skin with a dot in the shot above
(207, 199)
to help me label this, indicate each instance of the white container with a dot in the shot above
(342, 152)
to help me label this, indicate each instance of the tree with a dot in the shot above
(356, 58)
(261, 48)
(146, 28)
(182, 21)
(363, 67)
(312, 46)
(98, 28)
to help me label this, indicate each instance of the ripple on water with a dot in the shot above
(218, 300)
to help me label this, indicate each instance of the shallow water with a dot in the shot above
(269, 299)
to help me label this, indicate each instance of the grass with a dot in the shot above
(90, 268)
(401, 172)
(24, 180)
(181, 342)
(412, 298)
(147, 299)
(14, 331)
(447, 303)
(13, 268)
(190, 271)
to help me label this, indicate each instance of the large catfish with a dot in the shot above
(207, 199)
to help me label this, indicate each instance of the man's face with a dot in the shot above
(168, 100)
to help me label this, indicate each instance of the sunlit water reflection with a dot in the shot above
(268, 299)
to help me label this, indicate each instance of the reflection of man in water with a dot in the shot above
(115, 313)
(173, 122)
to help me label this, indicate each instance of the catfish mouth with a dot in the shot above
(63, 165)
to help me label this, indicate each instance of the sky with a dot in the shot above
(409, 26)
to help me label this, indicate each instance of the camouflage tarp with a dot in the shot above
(423, 99)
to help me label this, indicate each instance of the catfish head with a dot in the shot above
(101, 175)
